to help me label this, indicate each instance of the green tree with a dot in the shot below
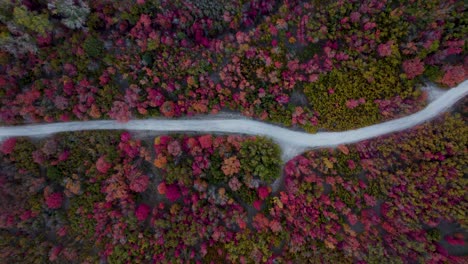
(260, 158)
(38, 23)
(93, 46)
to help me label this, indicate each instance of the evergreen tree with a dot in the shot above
(74, 13)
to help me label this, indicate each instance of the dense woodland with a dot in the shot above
(125, 197)
(311, 65)
(86, 197)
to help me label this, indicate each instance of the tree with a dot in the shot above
(139, 184)
(54, 201)
(142, 212)
(20, 23)
(453, 75)
(260, 158)
(230, 166)
(8, 146)
(413, 68)
(37, 23)
(74, 13)
(18, 45)
(93, 47)
(102, 165)
(120, 111)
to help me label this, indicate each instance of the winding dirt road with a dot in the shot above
(291, 142)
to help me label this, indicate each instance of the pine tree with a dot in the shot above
(74, 13)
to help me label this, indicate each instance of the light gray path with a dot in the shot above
(291, 142)
(433, 92)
